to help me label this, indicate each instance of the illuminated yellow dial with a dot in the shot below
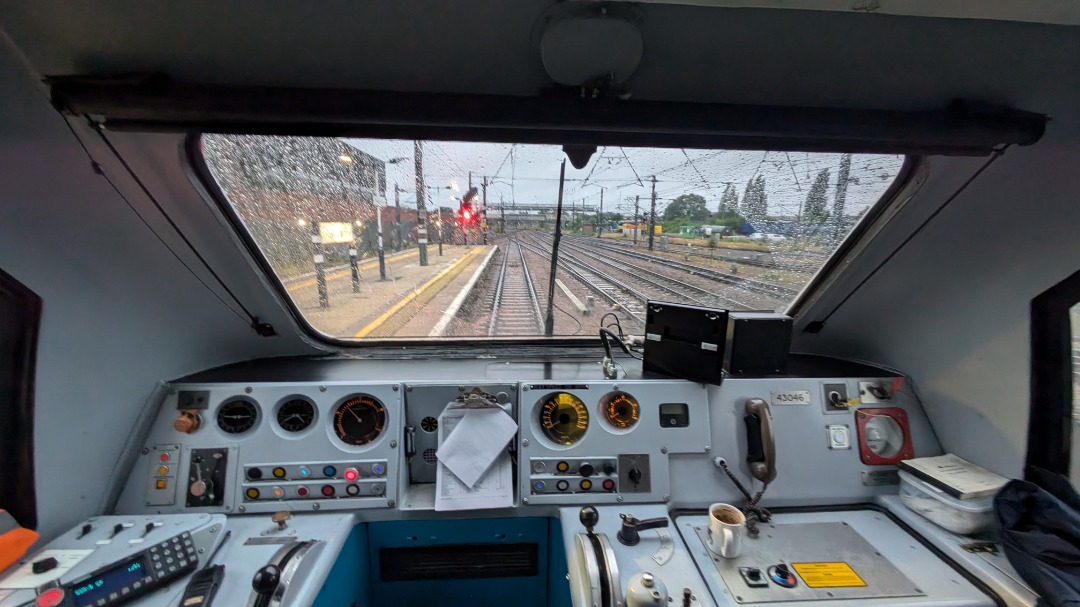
(621, 410)
(564, 418)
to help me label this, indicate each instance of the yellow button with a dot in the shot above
(253, 494)
(160, 483)
(586, 485)
(279, 472)
(162, 470)
(562, 466)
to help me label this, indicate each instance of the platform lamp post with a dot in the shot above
(397, 205)
(438, 210)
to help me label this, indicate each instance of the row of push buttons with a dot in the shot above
(350, 474)
(277, 493)
(584, 485)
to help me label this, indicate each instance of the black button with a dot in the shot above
(609, 468)
(586, 469)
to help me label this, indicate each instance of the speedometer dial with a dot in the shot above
(359, 420)
(563, 418)
(621, 410)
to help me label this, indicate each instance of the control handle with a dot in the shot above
(760, 444)
(266, 580)
(629, 533)
(589, 517)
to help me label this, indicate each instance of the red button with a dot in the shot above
(328, 490)
(609, 485)
(301, 491)
(51, 597)
(164, 457)
(351, 474)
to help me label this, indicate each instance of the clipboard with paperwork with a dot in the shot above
(474, 469)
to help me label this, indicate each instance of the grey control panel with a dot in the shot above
(270, 447)
(605, 442)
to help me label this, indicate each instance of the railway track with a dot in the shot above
(748, 284)
(726, 256)
(616, 292)
(515, 308)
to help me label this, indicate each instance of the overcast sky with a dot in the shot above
(530, 174)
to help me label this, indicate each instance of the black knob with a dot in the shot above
(589, 517)
(266, 579)
(609, 468)
(634, 475)
(586, 470)
(782, 570)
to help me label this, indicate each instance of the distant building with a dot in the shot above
(293, 178)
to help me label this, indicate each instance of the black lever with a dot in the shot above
(589, 517)
(266, 579)
(628, 535)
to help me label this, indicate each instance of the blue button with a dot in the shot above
(377, 469)
(304, 471)
(329, 471)
(538, 485)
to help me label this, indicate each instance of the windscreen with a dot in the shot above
(376, 239)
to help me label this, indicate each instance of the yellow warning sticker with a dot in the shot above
(828, 575)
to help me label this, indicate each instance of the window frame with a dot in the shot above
(17, 488)
(1049, 437)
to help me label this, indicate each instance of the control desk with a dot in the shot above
(325, 491)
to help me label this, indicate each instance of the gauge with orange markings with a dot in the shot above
(359, 420)
(620, 409)
(563, 418)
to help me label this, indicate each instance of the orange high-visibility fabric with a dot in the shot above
(14, 542)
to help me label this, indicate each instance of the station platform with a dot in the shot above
(411, 302)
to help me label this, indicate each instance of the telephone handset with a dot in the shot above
(760, 446)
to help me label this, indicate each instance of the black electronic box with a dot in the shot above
(685, 341)
(758, 343)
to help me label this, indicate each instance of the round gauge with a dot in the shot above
(563, 418)
(359, 420)
(237, 415)
(621, 410)
(295, 414)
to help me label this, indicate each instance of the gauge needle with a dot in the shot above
(356, 416)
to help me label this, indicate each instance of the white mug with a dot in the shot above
(727, 530)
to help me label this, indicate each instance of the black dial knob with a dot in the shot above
(589, 517)
(266, 579)
(634, 475)
(609, 468)
(782, 570)
(586, 469)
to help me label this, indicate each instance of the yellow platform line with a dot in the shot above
(441, 279)
(367, 265)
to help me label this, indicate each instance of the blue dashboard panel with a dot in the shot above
(348, 582)
(466, 552)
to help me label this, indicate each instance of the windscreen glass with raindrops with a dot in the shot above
(382, 239)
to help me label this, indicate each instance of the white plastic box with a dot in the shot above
(959, 516)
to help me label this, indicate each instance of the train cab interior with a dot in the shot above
(551, 302)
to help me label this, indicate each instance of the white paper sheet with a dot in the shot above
(494, 488)
(24, 576)
(478, 439)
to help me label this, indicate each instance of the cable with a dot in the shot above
(606, 335)
(753, 512)
(572, 317)
(98, 169)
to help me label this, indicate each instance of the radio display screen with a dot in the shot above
(111, 580)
